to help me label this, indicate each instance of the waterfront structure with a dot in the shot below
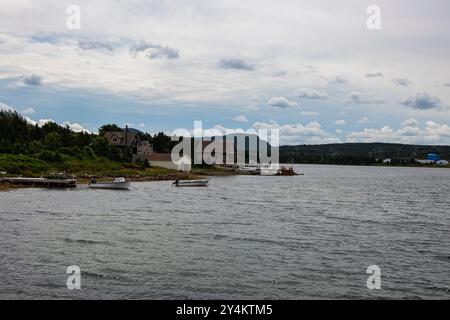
(129, 141)
(424, 161)
(433, 158)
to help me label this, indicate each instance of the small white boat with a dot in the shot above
(248, 168)
(117, 184)
(191, 183)
(268, 172)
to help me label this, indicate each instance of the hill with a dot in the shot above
(359, 153)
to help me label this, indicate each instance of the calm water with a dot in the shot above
(310, 236)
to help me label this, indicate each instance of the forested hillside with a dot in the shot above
(359, 153)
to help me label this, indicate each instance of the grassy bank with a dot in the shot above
(34, 167)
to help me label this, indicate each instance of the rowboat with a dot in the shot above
(190, 183)
(117, 184)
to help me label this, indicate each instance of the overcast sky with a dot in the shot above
(311, 68)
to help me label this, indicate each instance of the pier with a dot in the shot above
(41, 182)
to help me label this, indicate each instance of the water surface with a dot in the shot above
(243, 237)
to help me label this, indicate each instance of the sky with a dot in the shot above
(312, 69)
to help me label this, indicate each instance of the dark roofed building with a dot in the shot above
(120, 139)
(139, 149)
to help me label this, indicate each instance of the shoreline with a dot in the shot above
(196, 173)
(84, 179)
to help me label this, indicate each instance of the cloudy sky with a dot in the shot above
(310, 68)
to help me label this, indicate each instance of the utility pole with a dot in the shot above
(126, 141)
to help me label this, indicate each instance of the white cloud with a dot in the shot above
(410, 123)
(336, 80)
(292, 134)
(282, 102)
(75, 127)
(240, 118)
(433, 133)
(28, 111)
(99, 57)
(364, 120)
(30, 121)
(340, 122)
(374, 75)
(308, 93)
(42, 122)
(423, 101)
(402, 82)
(154, 51)
(235, 63)
(4, 107)
(355, 97)
(339, 131)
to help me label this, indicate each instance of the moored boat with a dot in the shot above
(117, 184)
(191, 183)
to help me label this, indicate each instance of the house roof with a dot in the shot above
(130, 136)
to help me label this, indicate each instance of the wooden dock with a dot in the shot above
(41, 182)
(287, 171)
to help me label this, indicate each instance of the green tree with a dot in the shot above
(101, 147)
(108, 128)
(52, 141)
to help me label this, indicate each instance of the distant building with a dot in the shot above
(120, 139)
(433, 158)
(143, 150)
(139, 149)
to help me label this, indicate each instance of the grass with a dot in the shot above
(32, 166)
(29, 166)
(21, 164)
